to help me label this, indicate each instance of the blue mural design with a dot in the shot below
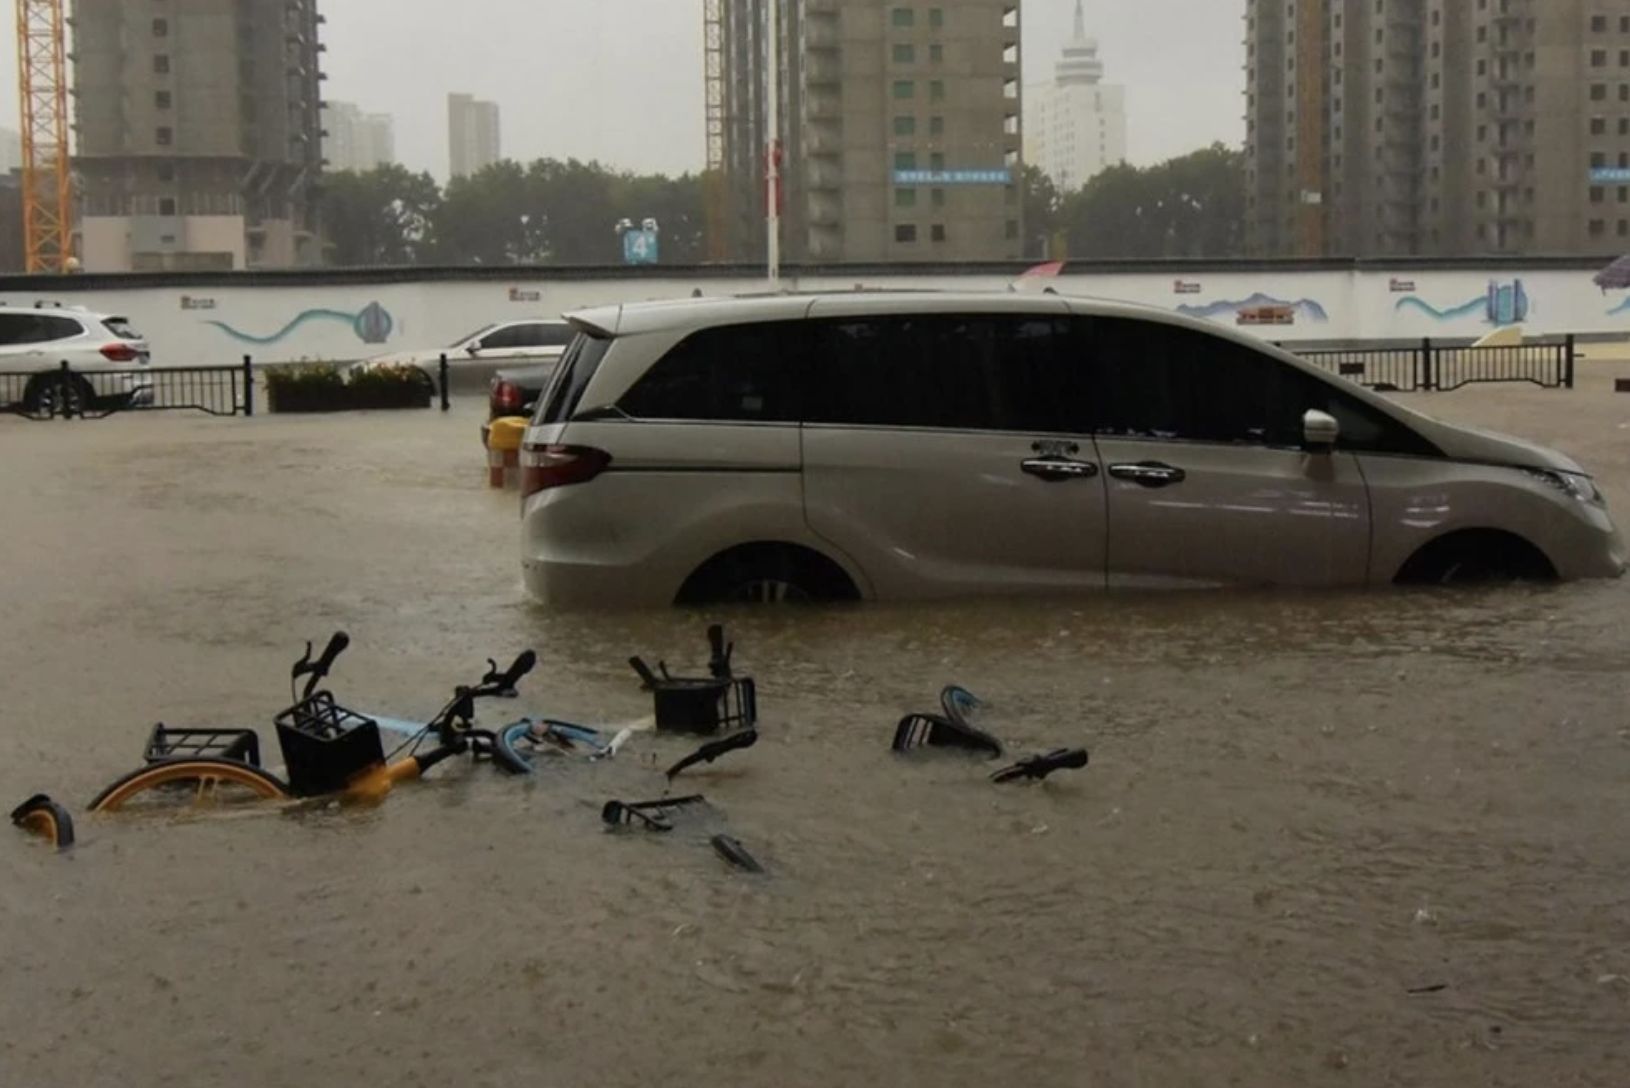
(372, 325)
(1621, 308)
(1307, 308)
(1502, 304)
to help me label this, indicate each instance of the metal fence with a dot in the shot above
(1428, 366)
(66, 392)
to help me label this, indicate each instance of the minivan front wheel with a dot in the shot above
(767, 574)
(1477, 557)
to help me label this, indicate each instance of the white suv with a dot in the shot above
(107, 357)
(917, 445)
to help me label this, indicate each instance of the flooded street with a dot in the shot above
(1300, 807)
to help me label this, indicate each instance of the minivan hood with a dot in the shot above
(1475, 444)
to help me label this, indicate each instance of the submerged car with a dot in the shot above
(893, 446)
(106, 358)
(472, 360)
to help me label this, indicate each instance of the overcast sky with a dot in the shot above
(621, 80)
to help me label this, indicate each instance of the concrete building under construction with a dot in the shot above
(900, 130)
(199, 138)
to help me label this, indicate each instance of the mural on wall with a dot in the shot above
(1501, 304)
(372, 325)
(1259, 309)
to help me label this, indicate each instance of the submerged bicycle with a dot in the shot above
(328, 750)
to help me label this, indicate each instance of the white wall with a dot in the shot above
(349, 320)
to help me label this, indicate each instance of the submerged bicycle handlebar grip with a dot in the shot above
(647, 677)
(319, 668)
(522, 665)
(712, 750)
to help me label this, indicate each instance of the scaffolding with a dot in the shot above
(43, 101)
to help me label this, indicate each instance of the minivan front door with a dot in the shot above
(1207, 481)
(943, 455)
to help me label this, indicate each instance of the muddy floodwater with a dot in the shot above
(1300, 808)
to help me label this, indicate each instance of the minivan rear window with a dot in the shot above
(572, 377)
(746, 372)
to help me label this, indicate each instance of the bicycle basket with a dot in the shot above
(325, 746)
(704, 705)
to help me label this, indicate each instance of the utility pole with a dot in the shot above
(772, 155)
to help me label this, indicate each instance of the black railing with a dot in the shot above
(1428, 366)
(94, 393)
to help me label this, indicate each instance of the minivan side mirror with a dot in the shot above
(1319, 431)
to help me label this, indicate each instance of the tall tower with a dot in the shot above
(1075, 126)
(200, 140)
(473, 137)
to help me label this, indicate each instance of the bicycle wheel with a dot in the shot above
(43, 816)
(517, 747)
(174, 782)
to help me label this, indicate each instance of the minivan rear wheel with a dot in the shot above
(767, 574)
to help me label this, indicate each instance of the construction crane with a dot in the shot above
(42, 75)
(713, 181)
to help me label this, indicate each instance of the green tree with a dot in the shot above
(1191, 206)
(492, 218)
(386, 216)
(1042, 213)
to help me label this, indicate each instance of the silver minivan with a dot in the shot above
(895, 446)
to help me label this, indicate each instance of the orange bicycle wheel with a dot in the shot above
(205, 780)
(44, 817)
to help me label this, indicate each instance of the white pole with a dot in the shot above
(772, 168)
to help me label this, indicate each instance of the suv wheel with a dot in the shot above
(45, 396)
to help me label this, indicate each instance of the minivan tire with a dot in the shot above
(767, 574)
(1477, 557)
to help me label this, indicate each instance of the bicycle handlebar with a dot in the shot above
(503, 683)
(318, 669)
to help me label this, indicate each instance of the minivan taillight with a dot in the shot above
(543, 467)
(506, 398)
(120, 353)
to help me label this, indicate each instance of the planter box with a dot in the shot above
(343, 398)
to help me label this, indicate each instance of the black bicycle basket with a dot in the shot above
(326, 746)
(704, 704)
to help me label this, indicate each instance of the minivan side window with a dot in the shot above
(981, 372)
(730, 372)
(1171, 382)
(571, 378)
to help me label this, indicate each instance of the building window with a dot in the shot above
(904, 88)
(1597, 194)
(1012, 229)
(161, 28)
(936, 162)
(936, 90)
(905, 54)
(1598, 125)
(1624, 228)
(903, 17)
(1482, 133)
(1598, 58)
(164, 136)
(936, 233)
(1624, 58)
(905, 160)
(1598, 227)
(936, 53)
(161, 100)
(936, 126)
(1598, 24)
(1598, 92)
(905, 126)
(905, 198)
(936, 17)
(166, 205)
(905, 232)
(1624, 194)
(936, 197)
(161, 64)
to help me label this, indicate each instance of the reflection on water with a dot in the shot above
(1299, 807)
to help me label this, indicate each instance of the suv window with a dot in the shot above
(730, 372)
(571, 378)
(36, 328)
(954, 371)
(1166, 381)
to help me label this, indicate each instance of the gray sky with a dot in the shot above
(621, 80)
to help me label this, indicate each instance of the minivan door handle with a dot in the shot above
(1058, 469)
(1149, 474)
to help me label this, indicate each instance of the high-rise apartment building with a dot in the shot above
(472, 135)
(1075, 126)
(1438, 127)
(901, 138)
(356, 141)
(198, 135)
